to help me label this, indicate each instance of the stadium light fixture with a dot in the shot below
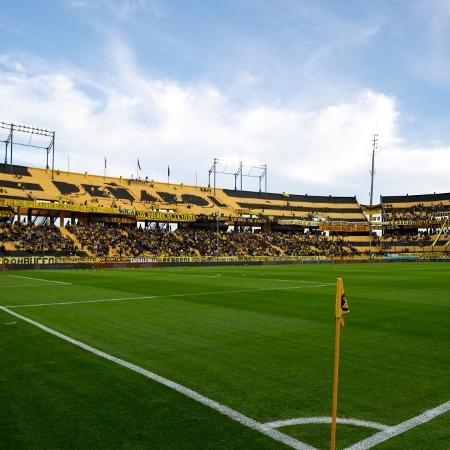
(372, 172)
(242, 171)
(30, 130)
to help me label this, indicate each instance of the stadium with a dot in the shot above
(99, 221)
(266, 303)
(232, 336)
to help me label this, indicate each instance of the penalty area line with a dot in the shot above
(402, 427)
(75, 302)
(222, 409)
(39, 279)
(193, 294)
(10, 286)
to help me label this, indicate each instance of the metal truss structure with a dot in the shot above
(238, 171)
(11, 141)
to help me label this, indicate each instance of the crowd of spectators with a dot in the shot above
(419, 212)
(206, 242)
(36, 239)
(101, 240)
(129, 241)
(96, 239)
(312, 244)
(409, 241)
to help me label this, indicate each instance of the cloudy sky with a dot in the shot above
(300, 85)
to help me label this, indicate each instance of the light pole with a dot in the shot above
(217, 237)
(372, 172)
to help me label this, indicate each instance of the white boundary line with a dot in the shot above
(9, 286)
(225, 276)
(33, 305)
(39, 279)
(325, 283)
(324, 419)
(395, 430)
(222, 409)
(193, 294)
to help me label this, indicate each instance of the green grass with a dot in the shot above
(266, 353)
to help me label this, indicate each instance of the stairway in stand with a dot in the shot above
(75, 240)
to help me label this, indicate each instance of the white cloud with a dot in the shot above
(318, 151)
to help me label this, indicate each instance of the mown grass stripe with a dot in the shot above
(222, 409)
(186, 294)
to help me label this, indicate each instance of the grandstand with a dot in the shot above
(416, 223)
(45, 212)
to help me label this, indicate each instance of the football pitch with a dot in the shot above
(224, 357)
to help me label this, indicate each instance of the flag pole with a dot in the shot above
(337, 338)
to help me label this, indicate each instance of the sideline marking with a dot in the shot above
(395, 430)
(8, 323)
(81, 302)
(290, 280)
(324, 419)
(225, 410)
(298, 281)
(39, 279)
(226, 276)
(194, 294)
(29, 285)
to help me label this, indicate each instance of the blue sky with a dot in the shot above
(300, 85)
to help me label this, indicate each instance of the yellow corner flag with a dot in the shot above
(341, 302)
(341, 309)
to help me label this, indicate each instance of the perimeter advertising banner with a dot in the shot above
(327, 225)
(27, 260)
(415, 223)
(344, 227)
(157, 216)
(153, 216)
(303, 223)
(11, 262)
(57, 260)
(32, 204)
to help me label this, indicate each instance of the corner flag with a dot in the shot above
(341, 308)
(341, 302)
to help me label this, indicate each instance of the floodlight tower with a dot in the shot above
(213, 170)
(10, 141)
(372, 172)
